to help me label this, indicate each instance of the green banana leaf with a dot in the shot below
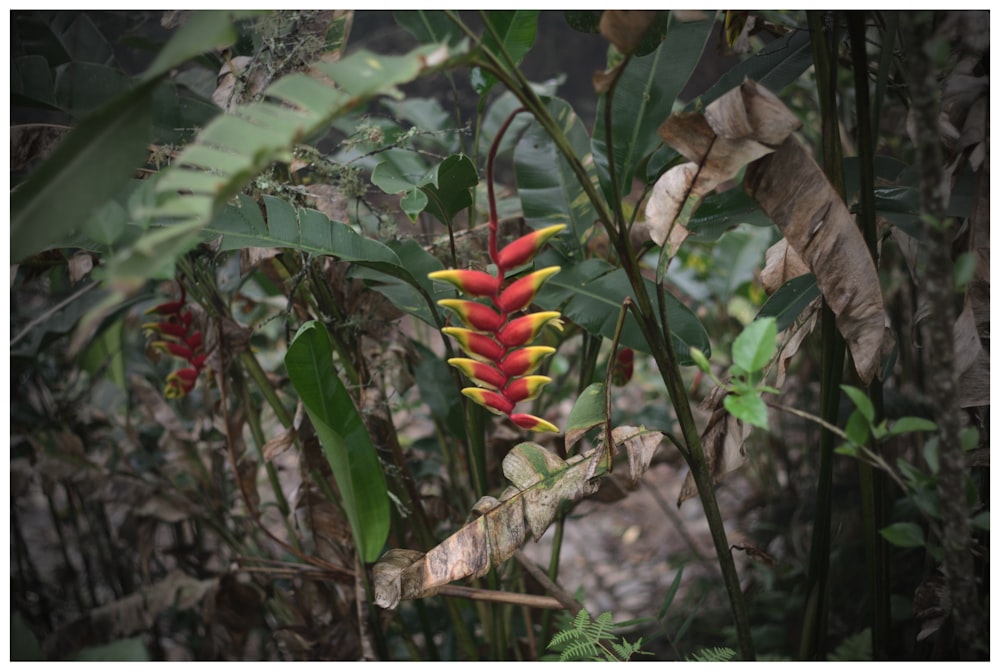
(345, 440)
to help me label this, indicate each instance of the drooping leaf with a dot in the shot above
(644, 97)
(739, 127)
(346, 443)
(541, 483)
(722, 440)
(795, 193)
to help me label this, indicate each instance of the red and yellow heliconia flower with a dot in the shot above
(524, 249)
(495, 337)
(181, 340)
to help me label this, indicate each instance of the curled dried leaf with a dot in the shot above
(722, 442)
(781, 264)
(792, 189)
(626, 28)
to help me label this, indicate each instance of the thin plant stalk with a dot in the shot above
(814, 637)
(654, 332)
(873, 482)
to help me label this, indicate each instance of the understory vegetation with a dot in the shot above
(321, 320)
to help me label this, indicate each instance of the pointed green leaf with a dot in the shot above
(754, 347)
(587, 413)
(345, 440)
(775, 66)
(203, 31)
(861, 401)
(516, 33)
(788, 302)
(644, 97)
(911, 424)
(749, 408)
(907, 535)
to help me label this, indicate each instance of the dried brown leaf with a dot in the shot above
(135, 612)
(626, 28)
(739, 127)
(493, 537)
(781, 264)
(80, 264)
(722, 442)
(640, 444)
(278, 444)
(669, 194)
(796, 195)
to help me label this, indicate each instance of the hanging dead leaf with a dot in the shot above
(541, 483)
(739, 127)
(781, 264)
(278, 444)
(792, 189)
(796, 335)
(722, 442)
(626, 28)
(665, 202)
(640, 444)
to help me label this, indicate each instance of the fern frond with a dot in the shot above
(719, 654)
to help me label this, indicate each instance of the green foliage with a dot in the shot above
(592, 639)
(719, 654)
(345, 440)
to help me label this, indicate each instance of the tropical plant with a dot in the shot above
(237, 391)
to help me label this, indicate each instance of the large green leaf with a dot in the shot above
(345, 440)
(644, 97)
(788, 302)
(516, 32)
(549, 190)
(87, 168)
(591, 294)
(775, 66)
(429, 27)
(95, 160)
(234, 147)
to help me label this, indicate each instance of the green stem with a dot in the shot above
(814, 637)
(661, 346)
(873, 482)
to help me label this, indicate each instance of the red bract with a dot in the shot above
(524, 249)
(473, 283)
(474, 314)
(178, 341)
(521, 293)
